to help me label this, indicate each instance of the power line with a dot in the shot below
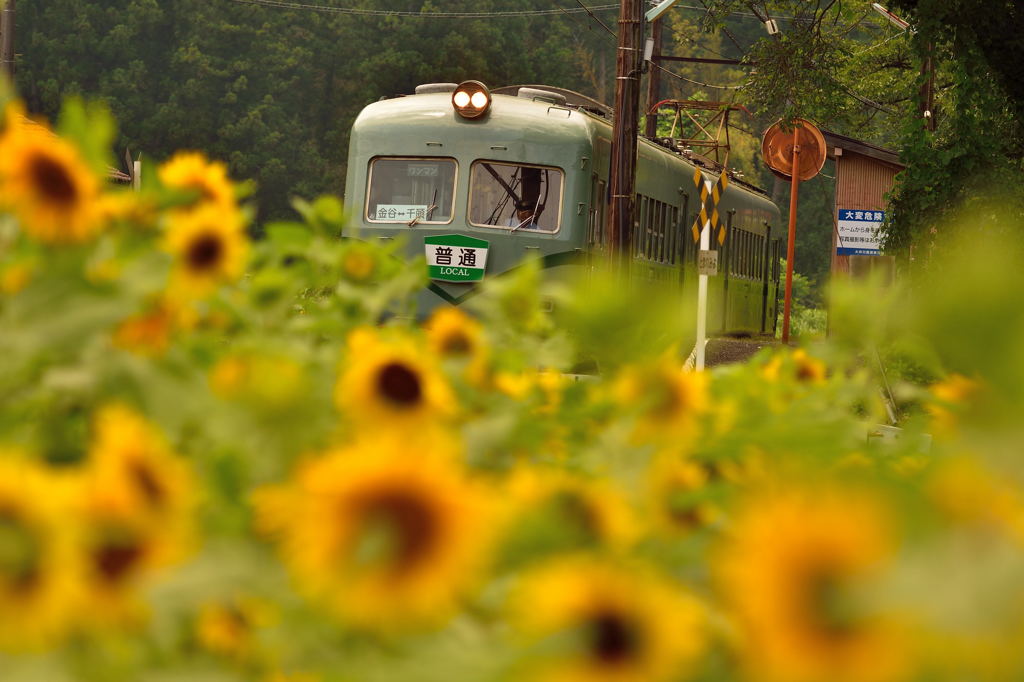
(690, 80)
(285, 4)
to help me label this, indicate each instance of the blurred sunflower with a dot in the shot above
(797, 366)
(148, 332)
(389, 380)
(193, 171)
(456, 337)
(358, 262)
(797, 570)
(262, 379)
(131, 462)
(39, 571)
(678, 495)
(554, 510)
(45, 181)
(209, 247)
(229, 628)
(15, 277)
(120, 550)
(954, 398)
(386, 538)
(593, 622)
(665, 398)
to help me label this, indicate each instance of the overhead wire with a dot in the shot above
(287, 4)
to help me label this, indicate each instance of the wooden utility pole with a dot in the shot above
(653, 82)
(623, 154)
(7, 39)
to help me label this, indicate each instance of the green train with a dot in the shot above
(479, 180)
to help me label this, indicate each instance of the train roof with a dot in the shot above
(512, 116)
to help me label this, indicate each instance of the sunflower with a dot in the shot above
(191, 171)
(44, 180)
(230, 627)
(386, 538)
(39, 572)
(554, 510)
(129, 460)
(148, 332)
(388, 380)
(953, 399)
(120, 551)
(358, 262)
(678, 495)
(266, 380)
(794, 570)
(665, 398)
(799, 367)
(136, 502)
(459, 339)
(595, 622)
(209, 248)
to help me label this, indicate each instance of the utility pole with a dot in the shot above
(7, 39)
(623, 154)
(653, 82)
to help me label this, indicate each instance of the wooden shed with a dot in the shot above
(864, 175)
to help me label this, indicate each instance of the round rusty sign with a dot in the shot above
(777, 149)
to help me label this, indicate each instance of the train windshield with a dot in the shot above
(515, 196)
(403, 190)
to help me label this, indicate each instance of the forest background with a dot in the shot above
(273, 90)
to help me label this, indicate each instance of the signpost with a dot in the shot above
(707, 260)
(795, 152)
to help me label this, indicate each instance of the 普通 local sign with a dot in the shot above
(456, 258)
(859, 232)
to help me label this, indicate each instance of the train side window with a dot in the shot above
(593, 216)
(673, 234)
(639, 225)
(400, 190)
(500, 193)
(662, 231)
(602, 219)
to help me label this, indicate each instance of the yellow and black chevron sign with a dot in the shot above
(709, 203)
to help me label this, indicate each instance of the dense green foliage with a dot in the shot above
(273, 91)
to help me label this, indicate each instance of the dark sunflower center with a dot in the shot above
(828, 606)
(115, 557)
(612, 639)
(20, 552)
(400, 530)
(667, 401)
(52, 180)
(205, 252)
(806, 372)
(577, 516)
(683, 509)
(456, 343)
(399, 384)
(147, 483)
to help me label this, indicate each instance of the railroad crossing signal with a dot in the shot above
(709, 204)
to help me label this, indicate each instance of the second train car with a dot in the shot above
(479, 180)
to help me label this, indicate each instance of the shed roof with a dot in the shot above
(888, 156)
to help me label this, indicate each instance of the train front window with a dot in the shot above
(515, 196)
(403, 190)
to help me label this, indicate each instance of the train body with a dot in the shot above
(529, 178)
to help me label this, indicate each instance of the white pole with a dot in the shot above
(136, 175)
(702, 293)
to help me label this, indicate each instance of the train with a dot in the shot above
(477, 180)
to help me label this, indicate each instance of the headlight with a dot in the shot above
(471, 99)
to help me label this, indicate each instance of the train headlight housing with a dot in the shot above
(471, 99)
